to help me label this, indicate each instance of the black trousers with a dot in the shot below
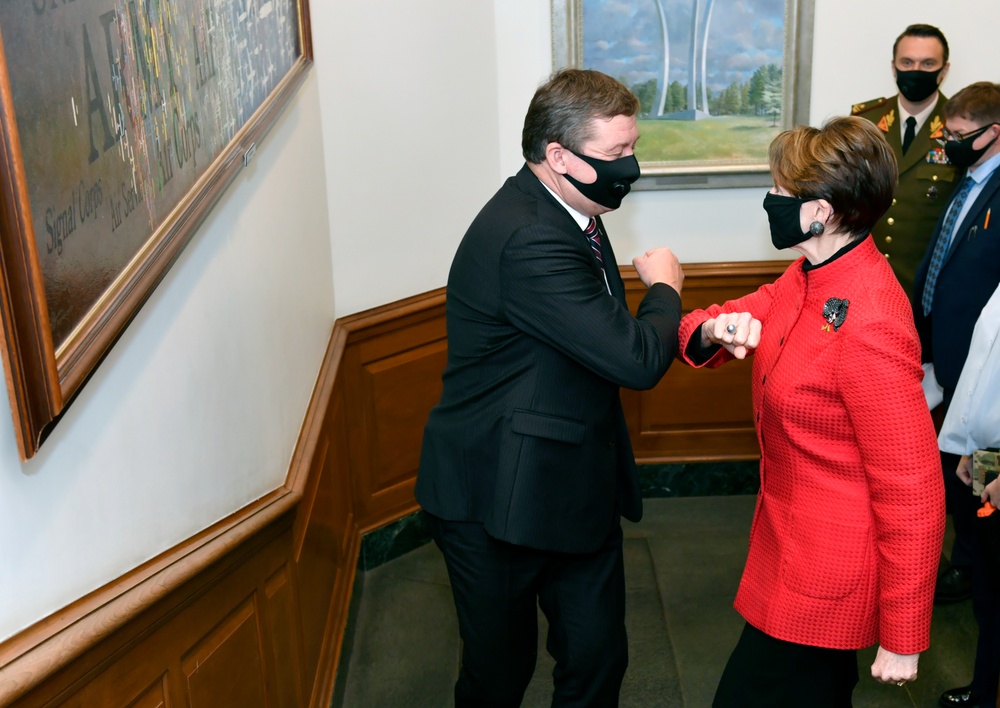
(498, 588)
(764, 671)
(986, 608)
(959, 501)
(962, 504)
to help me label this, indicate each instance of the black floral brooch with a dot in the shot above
(835, 312)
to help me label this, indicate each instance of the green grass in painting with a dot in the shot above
(719, 138)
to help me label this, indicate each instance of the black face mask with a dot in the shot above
(614, 180)
(961, 153)
(917, 85)
(783, 216)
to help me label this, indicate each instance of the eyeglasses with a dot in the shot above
(950, 136)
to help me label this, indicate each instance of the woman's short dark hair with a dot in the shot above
(847, 162)
(978, 102)
(564, 106)
(928, 31)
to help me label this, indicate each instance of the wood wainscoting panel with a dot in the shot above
(394, 358)
(401, 390)
(326, 535)
(224, 668)
(282, 648)
(154, 697)
(205, 643)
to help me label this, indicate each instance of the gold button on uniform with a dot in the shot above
(890, 221)
(894, 202)
(888, 239)
(887, 256)
(934, 177)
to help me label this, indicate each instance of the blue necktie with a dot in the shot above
(944, 242)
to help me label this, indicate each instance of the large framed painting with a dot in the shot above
(717, 79)
(121, 124)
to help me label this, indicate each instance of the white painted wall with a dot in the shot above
(196, 410)
(423, 105)
(409, 121)
(409, 97)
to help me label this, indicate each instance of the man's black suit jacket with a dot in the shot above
(970, 274)
(529, 437)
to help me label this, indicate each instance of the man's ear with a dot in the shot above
(555, 155)
(944, 72)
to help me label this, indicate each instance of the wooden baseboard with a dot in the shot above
(251, 611)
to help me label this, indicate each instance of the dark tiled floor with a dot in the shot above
(682, 563)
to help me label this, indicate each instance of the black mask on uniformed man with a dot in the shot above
(961, 153)
(614, 180)
(917, 85)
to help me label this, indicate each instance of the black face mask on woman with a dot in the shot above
(961, 153)
(783, 217)
(917, 85)
(614, 180)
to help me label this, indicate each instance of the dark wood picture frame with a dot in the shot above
(173, 97)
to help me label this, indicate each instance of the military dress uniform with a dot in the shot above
(926, 181)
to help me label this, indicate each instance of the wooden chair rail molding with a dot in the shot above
(251, 611)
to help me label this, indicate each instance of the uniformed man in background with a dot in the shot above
(912, 122)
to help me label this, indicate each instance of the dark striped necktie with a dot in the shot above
(595, 241)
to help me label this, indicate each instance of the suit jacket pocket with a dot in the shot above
(543, 425)
(824, 559)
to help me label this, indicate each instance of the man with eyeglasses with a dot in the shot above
(958, 275)
(912, 122)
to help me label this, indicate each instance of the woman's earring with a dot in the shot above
(816, 228)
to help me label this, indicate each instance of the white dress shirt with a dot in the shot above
(973, 420)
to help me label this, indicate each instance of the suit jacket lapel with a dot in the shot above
(889, 125)
(974, 220)
(532, 185)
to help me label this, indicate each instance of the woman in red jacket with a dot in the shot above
(847, 530)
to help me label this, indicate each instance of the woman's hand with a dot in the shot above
(964, 470)
(738, 332)
(894, 668)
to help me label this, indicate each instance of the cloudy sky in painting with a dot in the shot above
(623, 38)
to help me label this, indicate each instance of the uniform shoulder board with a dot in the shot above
(871, 105)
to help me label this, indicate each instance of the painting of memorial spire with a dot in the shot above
(709, 74)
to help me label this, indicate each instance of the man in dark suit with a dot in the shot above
(526, 464)
(912, 121)
(956, 278)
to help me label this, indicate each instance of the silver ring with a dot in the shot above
(731, 329)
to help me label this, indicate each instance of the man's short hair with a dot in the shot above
(978, 102)
(922, 31)
(564, 106)
(847, 162)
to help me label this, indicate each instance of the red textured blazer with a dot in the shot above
(848, 526)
